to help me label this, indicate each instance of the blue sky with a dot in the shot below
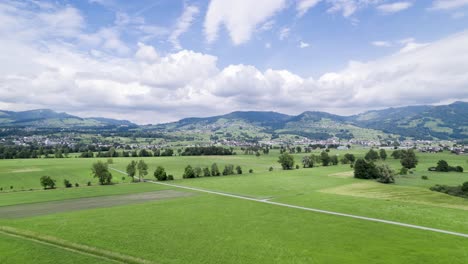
(154, 61)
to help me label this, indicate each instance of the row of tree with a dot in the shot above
(443, 166)
(229, 169)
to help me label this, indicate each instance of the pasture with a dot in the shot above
(167, 224)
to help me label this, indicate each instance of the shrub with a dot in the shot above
(403, 171)
(297, 167)
(170, 177)
(424, 177)
(188, 173)
(67, 183)
(250, 171)
(270, 169)
(385, 174)
(464, 187)
(228, 170)
(11, 187)
(77, 185)
(238, 169)
(47, 182)
(206, 172)
(215, 170)
(123, 178)
(286, 161)
(160, 174)
(89, 183)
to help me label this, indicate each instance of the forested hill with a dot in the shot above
(420, 122)
(46, 118)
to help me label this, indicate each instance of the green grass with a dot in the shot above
(18, 250)
(208, 228)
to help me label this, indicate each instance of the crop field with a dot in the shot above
(230, 219)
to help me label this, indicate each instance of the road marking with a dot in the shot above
(308, 208)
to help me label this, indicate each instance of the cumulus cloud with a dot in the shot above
(150, 87)
(284, 33)
(394, 7)
(240, 17)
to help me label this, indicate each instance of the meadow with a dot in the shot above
(208, 228)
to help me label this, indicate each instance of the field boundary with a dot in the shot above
(310, 209)
(71, 246)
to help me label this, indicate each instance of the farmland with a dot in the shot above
(199, 227)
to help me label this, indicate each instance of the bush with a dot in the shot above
(424, 177)
(67, 183)
(170, 177)
(238, 169)
(160, 174)
(228, 170)
(385, 174)
(403, 171)
(89, 183)
(188, 173)
(77, 185)
(270, 169)
(11, 187)
(297, 167)
(47, 182)
(206, 172)
(286, 161)
(464, 187)
(250, 171)
(123, 178)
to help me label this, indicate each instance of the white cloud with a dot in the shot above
(183, 24)
(268, 45)
(303, 45)
(394, 7)
(284, 33)
(240, 17)
(348, 7)
(448, 4)
(150, 87)
(380, 43)
(303, 6)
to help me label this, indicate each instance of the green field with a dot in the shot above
(209, 228)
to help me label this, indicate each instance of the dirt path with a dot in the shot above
(310, 209)
(44, 208)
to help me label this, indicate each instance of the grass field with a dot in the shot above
(208, 228)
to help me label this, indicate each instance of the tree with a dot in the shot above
(131, 169)
(215, 170)
(206, 172)
(198, 171)
(464, 187)
(306, 162)
(325, 158)
(383, 154)
(348, 158)
(372, 155)
(409, 159)
(334, 160)
(442, 165)
(67, 183)
(228, 170)
(47, 182)
(101, 171)
(286, 161)
(142, 168)
(160, 174)
(188, 172)
(385, 174)
(239, 169)
(365, 170)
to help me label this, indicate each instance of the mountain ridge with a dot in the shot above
(421, 122)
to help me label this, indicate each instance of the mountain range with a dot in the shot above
(419, 122)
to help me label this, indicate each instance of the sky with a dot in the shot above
(154, 61)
